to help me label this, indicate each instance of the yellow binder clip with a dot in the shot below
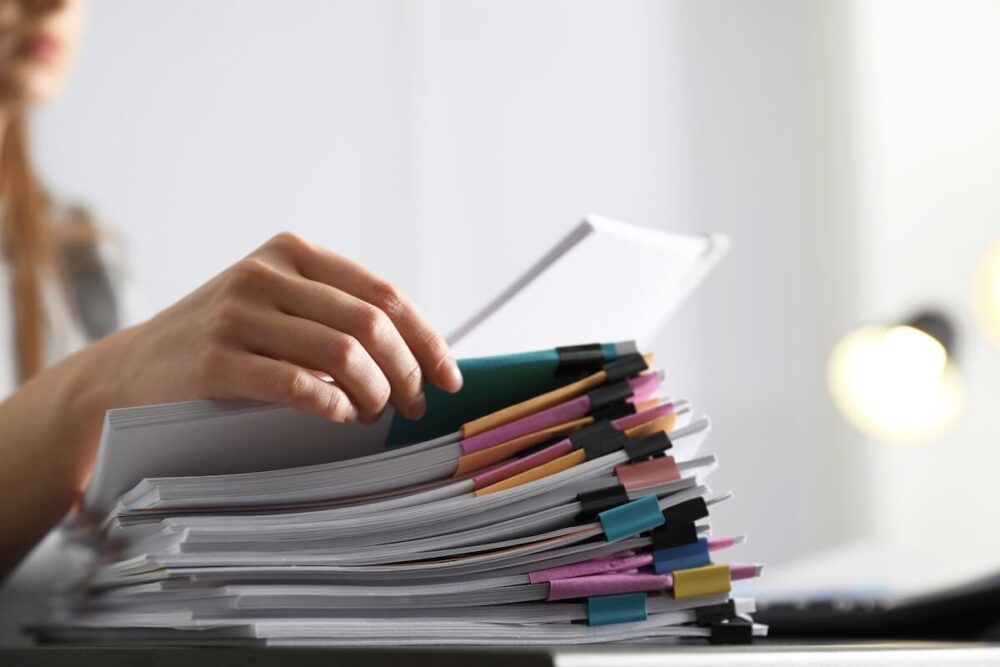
(706, 580)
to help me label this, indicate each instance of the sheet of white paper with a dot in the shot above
(604, 281)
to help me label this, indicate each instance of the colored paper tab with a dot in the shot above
(484, 458)
(647, 415)
(615, 583)
(573, 409)
(648, 473)
(532, 405)
(518, 466)
(664, 423)
(544, 470)
(627, 561)
(608, 609)
(708, 580)
(684, 557)
(631, 518)
(614, 371)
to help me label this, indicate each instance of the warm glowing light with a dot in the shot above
(988, 291)
(911, 355)
(895, 383)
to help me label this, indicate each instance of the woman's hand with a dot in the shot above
(270, 325)
(262, 329)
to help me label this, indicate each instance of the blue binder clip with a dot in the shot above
(683, 557)
(631, 518)
(608, 609)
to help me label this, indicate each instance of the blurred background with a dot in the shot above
(851, 150)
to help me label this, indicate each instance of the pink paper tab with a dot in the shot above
(720, 542)
(558, 414)
(564, 412)
(608, 584)
(644, 387)
(648, 473)
(644, 417)
(743, 570)
(589, 567)
(517, 466)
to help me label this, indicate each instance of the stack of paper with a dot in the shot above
(561, 497)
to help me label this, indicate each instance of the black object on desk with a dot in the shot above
(969, 612)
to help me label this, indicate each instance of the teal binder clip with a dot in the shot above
(608, 609)
(631, 518)
(683, 557)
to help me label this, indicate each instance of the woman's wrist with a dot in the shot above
(89, 384)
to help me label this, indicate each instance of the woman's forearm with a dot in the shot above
(49, 431)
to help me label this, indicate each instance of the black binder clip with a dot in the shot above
(599, 430)
(625, 367)
(734, 631)
(668, 537)
(615, 411)
(598, 439)
(578, 361)
(609, 394)
(594, 502)
(652, 445)
(715, 613)
(688, 511)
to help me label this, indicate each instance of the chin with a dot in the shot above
(24, 88)
(41, 88)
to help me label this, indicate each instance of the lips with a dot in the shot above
(39, 46)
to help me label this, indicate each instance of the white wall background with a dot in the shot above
(930, 205)
(447, 143)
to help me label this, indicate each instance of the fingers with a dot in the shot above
(370, 326)
(274, 381)
(309, 344)
(426, 345)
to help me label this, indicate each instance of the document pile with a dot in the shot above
(561, 497)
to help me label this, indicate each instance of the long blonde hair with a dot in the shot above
(27, 245)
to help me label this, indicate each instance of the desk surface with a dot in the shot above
(763, 653)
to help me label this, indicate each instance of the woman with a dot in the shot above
(266, 328)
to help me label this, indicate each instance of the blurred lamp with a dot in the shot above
(988, 291)
(898, 382)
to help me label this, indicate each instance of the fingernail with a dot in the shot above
(417, 408)
(371, 418)
(452, 376)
